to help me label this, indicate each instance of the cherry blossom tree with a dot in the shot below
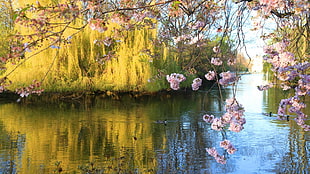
(186, 27)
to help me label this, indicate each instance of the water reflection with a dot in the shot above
(122, 136)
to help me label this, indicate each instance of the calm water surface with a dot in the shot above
(100, 135)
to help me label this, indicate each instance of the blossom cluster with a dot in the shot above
(216, 61)
(4, 82)
(292, 74)
(197, 82)
(124, 18)
(188, 39)
(97, 24)
(233, 117)
(226, 144)
(31, 89)
(231, 61)
(208, 118)
(210, 75)
(268, 5)
(216, 49)
(213, 152)
(175, 79)
(294, 105)
(228, 78)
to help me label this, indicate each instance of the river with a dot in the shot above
(102, 135)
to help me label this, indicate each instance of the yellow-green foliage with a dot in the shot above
(131, 69)
(82, 64)
(74, 66)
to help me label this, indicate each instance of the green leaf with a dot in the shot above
(14, 16)
(176, 4)
(25, 9)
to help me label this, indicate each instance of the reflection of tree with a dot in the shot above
(185, 151)
(121, 136)
(11, 147)
(296, 158)
(116, 135)
(186, 140)
(75, 138)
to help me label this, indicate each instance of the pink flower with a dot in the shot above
(306, 127)
(208, 118)
(97, 24)
(230, 101)
(285, 87)
(175, 79)
(227, 78)
(217, 124)
(286, 59)
(220, 159)
(212, 151)
(198, 25)
(196, 84)
(216, 49)
(174, 84)
(210, 75)
(225, 144)
(231, 150)
(182, 38)
(217, 157)
(241, 121)
(300, 121)
(280, 46)
(235, 127)
(268, 5)
(226, 118)
(231, 61)
(216, 61)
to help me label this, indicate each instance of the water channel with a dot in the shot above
(104, 135)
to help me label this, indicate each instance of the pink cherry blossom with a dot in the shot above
(197, 82)
(235, 127)
(231, 150)
(175, 79)
(212, 152)
(220, 159)
(231, 61)
(216, 61)
(284, 86)
(226, 144)
(280, 46)
(217, 124)
(210, 75)
(227, 78)
(208, 118)
(182, 38)
(198, 25)
(268, 5)
(217, 157)
(226, 118)
(216, 49)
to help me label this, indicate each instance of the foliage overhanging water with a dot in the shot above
(124, 136)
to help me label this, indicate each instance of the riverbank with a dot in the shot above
(52, 97)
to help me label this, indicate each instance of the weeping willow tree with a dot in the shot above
(5, 26)
(115, 59)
